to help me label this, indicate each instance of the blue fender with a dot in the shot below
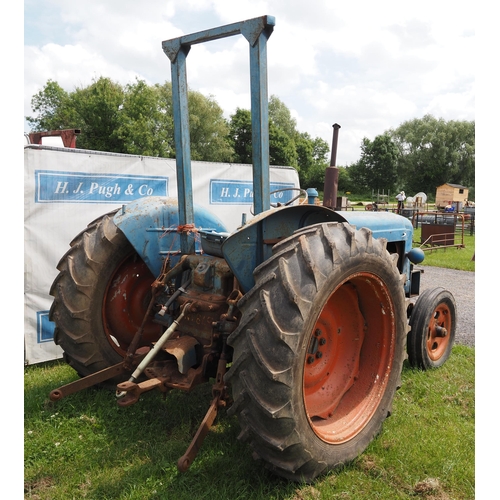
(151, 226)
(252, 244)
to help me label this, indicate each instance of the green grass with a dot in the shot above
(450, 257)
(85, 446)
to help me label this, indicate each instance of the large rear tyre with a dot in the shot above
(433, 324)
(319, 350)
(101, 295)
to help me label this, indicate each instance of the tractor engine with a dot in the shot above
(202, 287)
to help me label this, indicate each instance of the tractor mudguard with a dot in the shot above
(151, 225)
(252, 244)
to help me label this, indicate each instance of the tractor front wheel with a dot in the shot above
(433, 324)
(319, 350)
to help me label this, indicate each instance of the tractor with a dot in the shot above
(301, 318)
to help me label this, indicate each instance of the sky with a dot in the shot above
(368, 66)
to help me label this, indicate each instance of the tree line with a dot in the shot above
(137, 118)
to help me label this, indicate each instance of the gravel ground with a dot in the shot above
(462, 285)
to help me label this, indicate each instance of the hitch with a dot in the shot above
(219, 389)
(219, 400)
(98, 377)
(129, 392)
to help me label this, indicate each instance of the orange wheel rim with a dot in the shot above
(438, 332)
(349, 358)
(125, 304)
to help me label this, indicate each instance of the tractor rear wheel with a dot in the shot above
(319, 350)
(101, 295)
(433, 324)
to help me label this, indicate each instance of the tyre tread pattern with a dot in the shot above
(74, 293)
(267, 340)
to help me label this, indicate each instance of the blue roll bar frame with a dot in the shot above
(256, 31)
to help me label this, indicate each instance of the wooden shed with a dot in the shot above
(451, 194)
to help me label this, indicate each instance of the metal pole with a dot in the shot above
(332, 174)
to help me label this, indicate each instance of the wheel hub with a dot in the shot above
(125, 304)
(349, 358)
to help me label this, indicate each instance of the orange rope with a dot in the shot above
(184, 228)
(187, 228)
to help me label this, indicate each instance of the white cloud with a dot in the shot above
(368, 66)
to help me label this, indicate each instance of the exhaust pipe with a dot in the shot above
(332, 174)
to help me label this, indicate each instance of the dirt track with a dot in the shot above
(462, 285)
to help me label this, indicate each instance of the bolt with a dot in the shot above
(319, 354)
(322, 341)
(310, 359)
(317, 332)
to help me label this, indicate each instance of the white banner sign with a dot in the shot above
(66, 189)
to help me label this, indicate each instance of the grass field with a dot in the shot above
(450, 257)
(85, 446)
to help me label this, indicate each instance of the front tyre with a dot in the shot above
(433, 323)
(319, 350)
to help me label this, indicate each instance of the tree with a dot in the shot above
(358, 176)
(209, 129)
(281, 147)
(98, 107)
(345, 182)
(312, 160)
(145, 120)
(54, 109)
(280, 115)
(287, 146)
(135, 119)
(379, 157)
(377, 167)
(240, 135)
(435, 152)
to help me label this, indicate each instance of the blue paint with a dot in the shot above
(256, 31)
(416, 255)
(228, 192)
(150, 224)
(267, 228)
(386, 225)
(52, 186)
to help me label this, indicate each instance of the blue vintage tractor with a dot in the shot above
(300, 317)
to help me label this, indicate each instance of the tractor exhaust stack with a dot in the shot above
(332, 174)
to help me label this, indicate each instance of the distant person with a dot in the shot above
(401, 197)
